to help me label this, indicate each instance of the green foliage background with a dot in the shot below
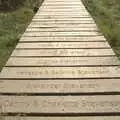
(107, 15)
(13, 22)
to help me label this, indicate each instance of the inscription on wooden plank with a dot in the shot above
(64, 61)
(60, 72)
(60, 104)
(63, 52)
(64, 39)
(60, 86)
(64, 45)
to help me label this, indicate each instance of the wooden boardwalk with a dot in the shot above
(61, 67)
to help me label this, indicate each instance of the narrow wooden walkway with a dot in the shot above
(62, 66)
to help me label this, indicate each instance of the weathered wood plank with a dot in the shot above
(63, 19)
(60, 104)
(60, 72)
(62, 22)
(47, 34)
(62, 10)
(63, 52)
(62, 25)
(63, 61)
(64, 45)
(63, 39)
(30, 29)
(63, 2)
(62, 7)
(61, 16)
(77, 7)
(62, 13)
(63, 118)
(68, 4)
(102, 86)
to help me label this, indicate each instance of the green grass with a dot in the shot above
(107, 16)
(12, 26)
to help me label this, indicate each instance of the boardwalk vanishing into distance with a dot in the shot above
(62, 68)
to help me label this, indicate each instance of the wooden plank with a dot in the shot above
(63, 19)
(60, 72)
(62, 22)
(60, 7)
(64, 45)
(61, 16)
(63, 39)
(62, 10)
(68, 4)
(62, 25)
(63, 61)
(102, 86)
(62, 2)
(61, 104)
(63, 118)
(62, 13)
(82, 10)
(47, 34)
(63, 52)
(29, 29)
(80, 6)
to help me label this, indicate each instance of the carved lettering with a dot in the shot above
(63, 72)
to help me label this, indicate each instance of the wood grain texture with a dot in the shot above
(64, 45)
(60, 104)
(60, 72)
(48, 87)
(62, 52)
(63, 61)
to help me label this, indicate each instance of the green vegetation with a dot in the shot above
(13, 23)
(107, 15)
